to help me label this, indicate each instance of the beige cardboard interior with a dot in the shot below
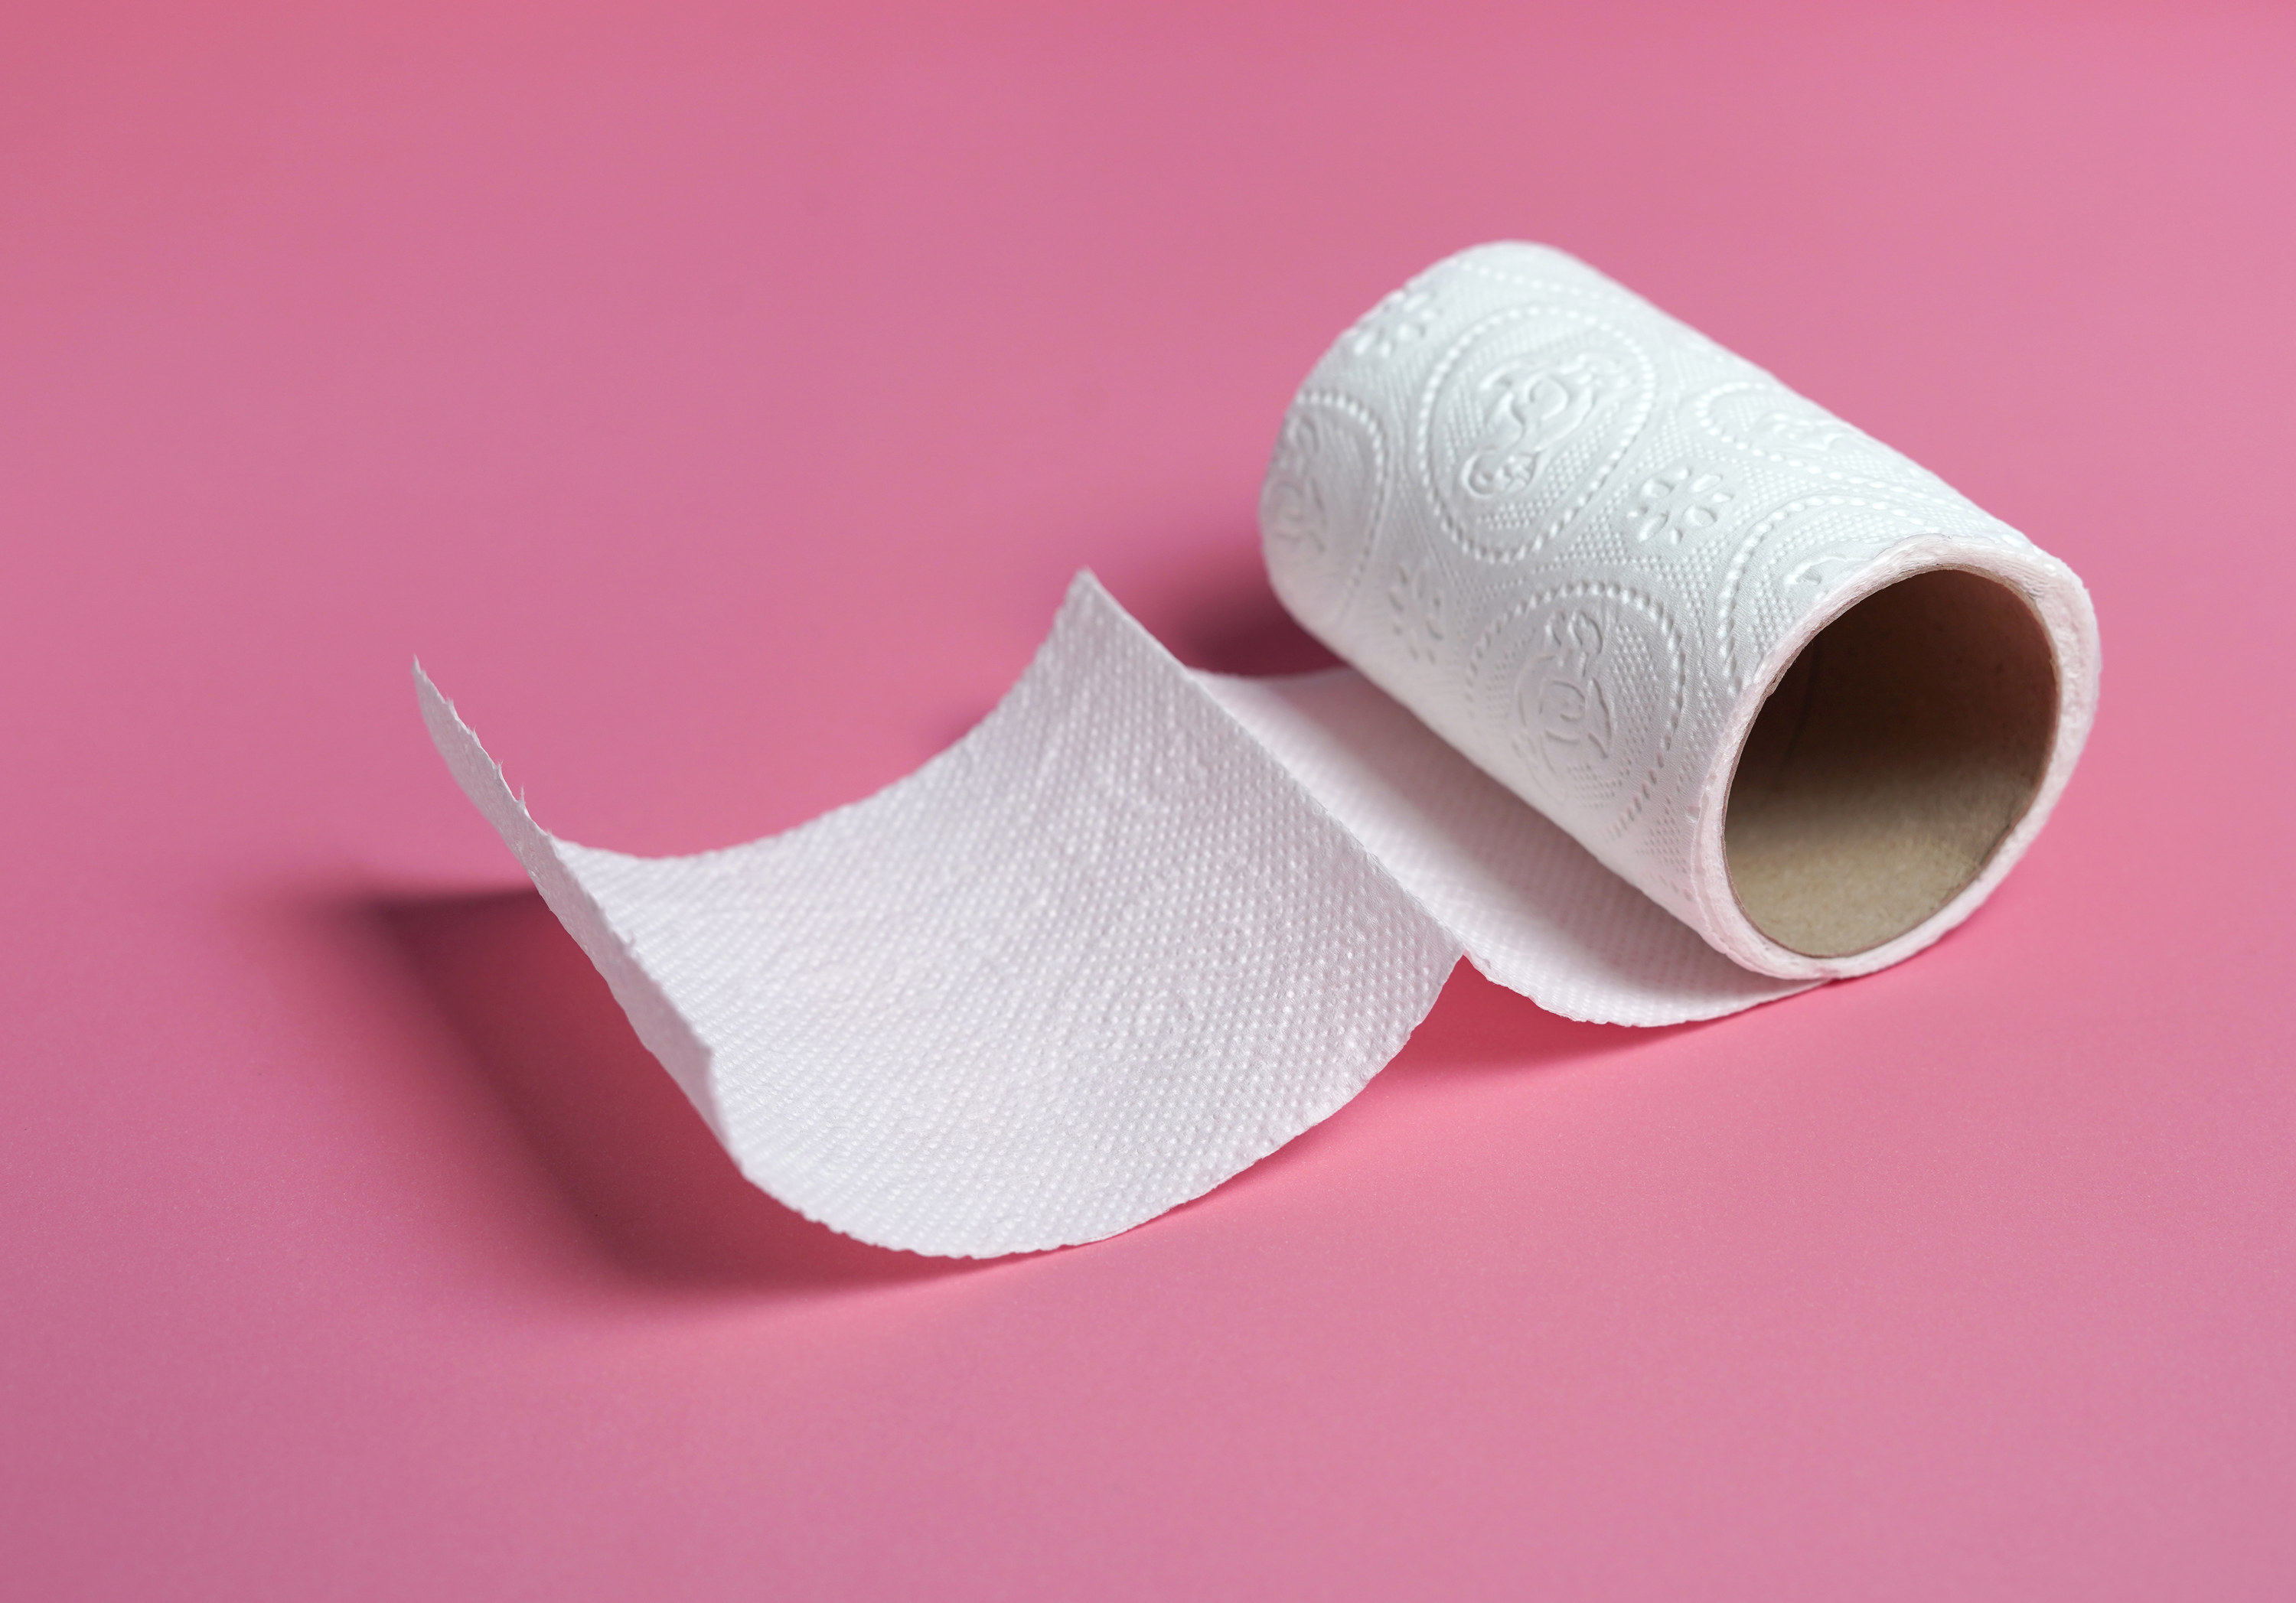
(1889, 761)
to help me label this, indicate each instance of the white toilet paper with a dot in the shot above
(1144, 925)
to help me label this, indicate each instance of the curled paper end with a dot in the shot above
(1087, 963)
(479, 775)
(555, 867)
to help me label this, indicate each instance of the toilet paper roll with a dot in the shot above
(1671, 694)
(1586, 544)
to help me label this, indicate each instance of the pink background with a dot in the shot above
(719, 401)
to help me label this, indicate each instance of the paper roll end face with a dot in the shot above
(1904, 757)
(1898, 751)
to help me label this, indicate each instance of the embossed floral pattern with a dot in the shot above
(1418, 611)
(1680, 502)
(1561, 709)
(1402, 319)
(1292, 507)
(1818, 572)
(1530, 409)
(1801, 432)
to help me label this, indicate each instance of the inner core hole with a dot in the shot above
(1889, 761)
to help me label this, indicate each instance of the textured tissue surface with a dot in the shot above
(1144, 925)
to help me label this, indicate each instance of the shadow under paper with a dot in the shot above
(639, 1175)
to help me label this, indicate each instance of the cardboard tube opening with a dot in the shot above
(1889, 761)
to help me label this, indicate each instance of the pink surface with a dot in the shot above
(647, 374)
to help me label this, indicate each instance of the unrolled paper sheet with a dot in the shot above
(1143, 926)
